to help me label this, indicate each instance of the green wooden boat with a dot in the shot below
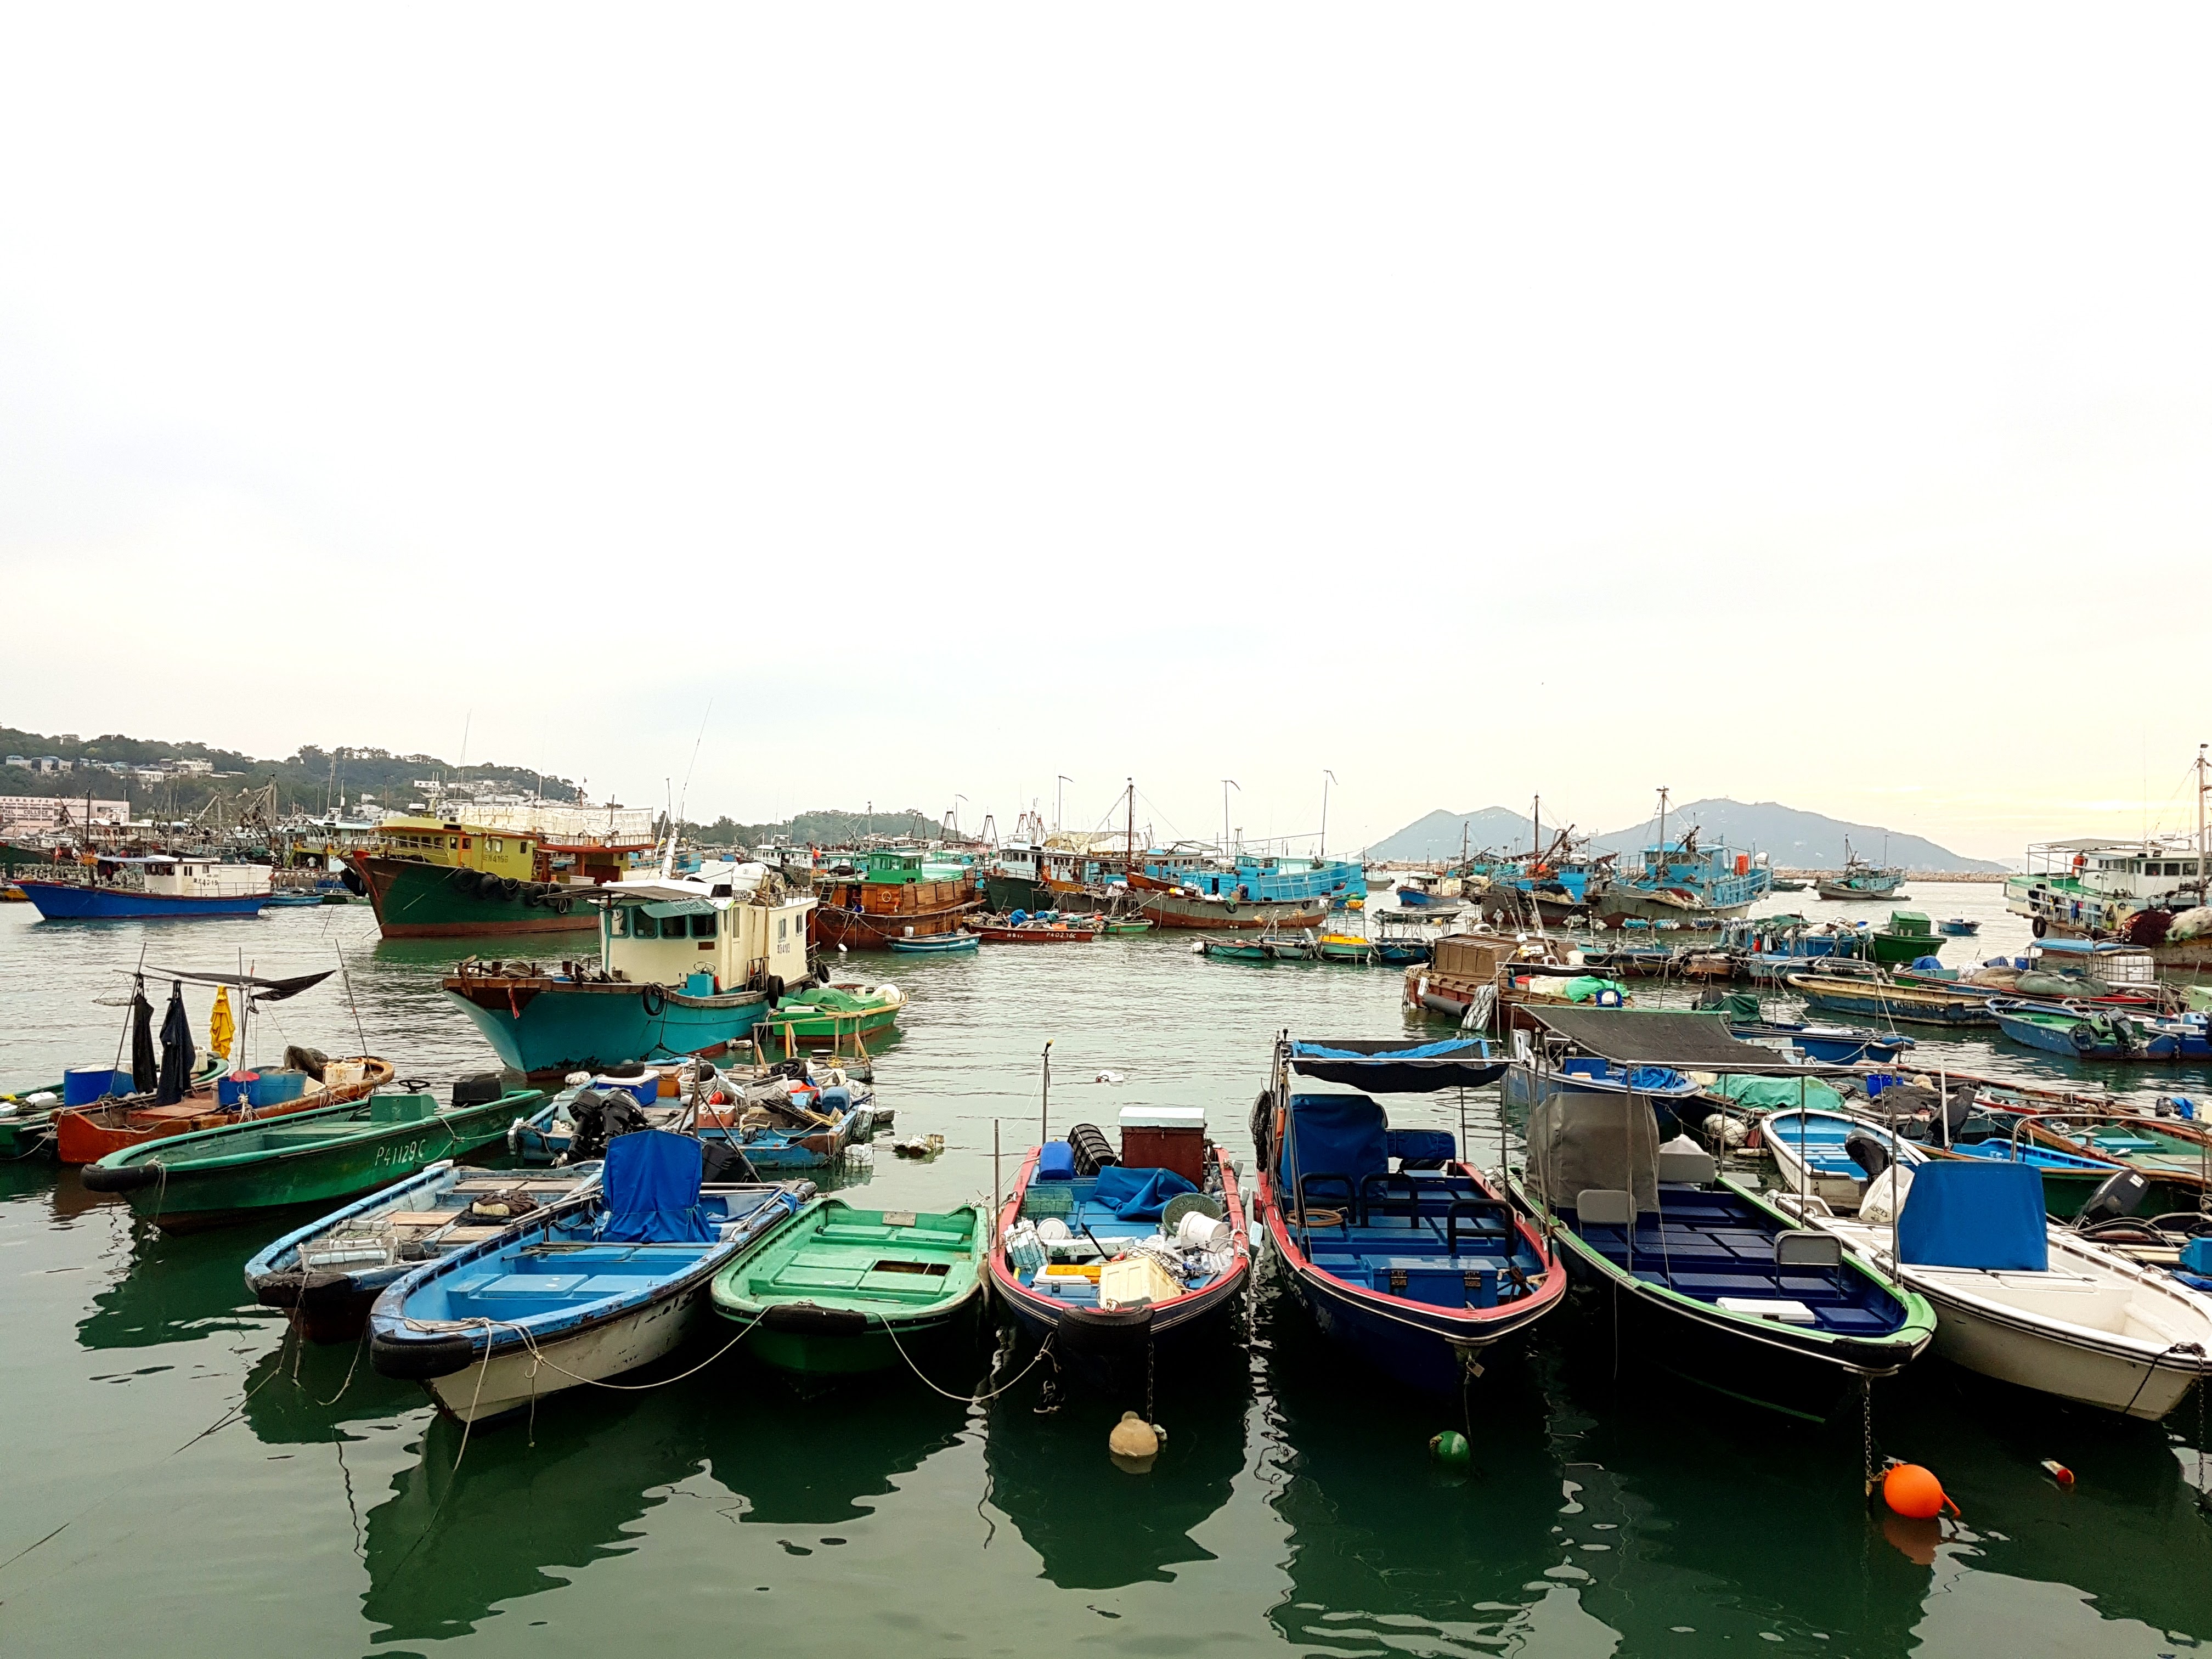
(835, 1291)
(215, 1176)
(832, 1014)
(1907, 938)
(1125, 925)
(2176, 1156)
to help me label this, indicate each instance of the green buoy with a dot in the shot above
(1450, 1449)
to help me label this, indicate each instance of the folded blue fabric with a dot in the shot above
(1139, 1195)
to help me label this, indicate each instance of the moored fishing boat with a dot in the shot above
(1958, 928)
(892, 894)
(688, 964)
(1399, 1248)
(1858, 879)
(162, 886)
(594, 1287)
(2019, 1299)
(835, 1291)
(2104, 1033)
(2173, 1154)
(1889, 1001)
(790, 1116)
(1158, 1282)
(1707, 1279)
(1907, 938)
(842, 1015)
(435, 878)
(1347, 947)
(1233, 950)
(210, 1177)
(327, 1274)
(89, 1133)
(938, 945)
(1045, 927)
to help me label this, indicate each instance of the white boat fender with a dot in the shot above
(1729, 1132)
(1886, 1196)
(1110, 1077)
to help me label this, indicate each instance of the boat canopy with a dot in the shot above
(261, 990)
(683, 907)
(1394, 1066)
(1681, 1042)
(2087, 947)
(652, 1190)
(1967, 1214)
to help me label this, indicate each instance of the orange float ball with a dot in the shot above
(1913, 1492)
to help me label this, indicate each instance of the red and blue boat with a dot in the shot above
(160, 885)
(1402, 1251)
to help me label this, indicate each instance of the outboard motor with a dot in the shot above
(600, 1115)
(2119, 1195)
(722, 1162)
(1867, 1151)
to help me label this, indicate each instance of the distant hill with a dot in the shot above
(1792, 839)
(1439, 836)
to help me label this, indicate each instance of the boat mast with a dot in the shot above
(1320, 853)
(1665, 863)
(1536, 824)
(2201, 787)
(1130, 845)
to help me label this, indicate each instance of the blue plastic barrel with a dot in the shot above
(230, 1088)
(276, 1088)
(83, 1085)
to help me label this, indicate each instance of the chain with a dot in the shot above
(1150, 1349)
(2204, 1493)
(1866, 1420)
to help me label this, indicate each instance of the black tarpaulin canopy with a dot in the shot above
(1395, 1067)
(1683, 1042)
(261, 990)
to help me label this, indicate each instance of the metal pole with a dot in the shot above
(1044, 1114)
(995, 1187)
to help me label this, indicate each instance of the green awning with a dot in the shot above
(691, 907)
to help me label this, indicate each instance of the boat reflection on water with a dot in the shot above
(1096, 1526)
(449, 1546)
(305, 1394)
(818, 1460)
(1387, 1548)
(177, 1288)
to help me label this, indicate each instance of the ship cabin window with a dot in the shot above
(617, 924)
(453, 843)
(161, 870)
(643, 927)
(704, 926)
(783, 929)
(494, 844)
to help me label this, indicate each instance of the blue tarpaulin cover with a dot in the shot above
(651, 1184)
(1056, 1162)
(1138, 1194)
(1335, 1134)
(1972, 1214)
(1422, 1145)
(1446, 1048)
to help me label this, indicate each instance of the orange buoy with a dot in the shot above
(1913, 1492)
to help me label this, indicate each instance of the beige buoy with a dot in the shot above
(1134, 1442)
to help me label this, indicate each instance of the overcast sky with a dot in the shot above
(1770, 402)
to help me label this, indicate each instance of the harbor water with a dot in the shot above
(181, 1478)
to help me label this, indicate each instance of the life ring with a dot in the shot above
(653, 1000)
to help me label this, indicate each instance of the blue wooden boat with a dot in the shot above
(1892, 1000)
(597, 1286)
(168, 887)
(327, 1274)
(2109, 1034)
(1399, 1250)
(936, 944)
(1813, 1153)
(1958, 927)
(1834, 1045)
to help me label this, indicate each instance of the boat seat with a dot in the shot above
(607, 1285)
(532, 1285)
(1602, 1207)
(1805, 1249)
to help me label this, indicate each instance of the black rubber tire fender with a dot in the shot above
(464, 879)
(562, 904)
(806, 1319)
(416, 1358)
(119, 1177)
(653, 1000)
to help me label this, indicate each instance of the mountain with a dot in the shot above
(1438, 836)
(1794, 840)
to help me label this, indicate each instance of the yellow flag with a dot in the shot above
(220, 1029)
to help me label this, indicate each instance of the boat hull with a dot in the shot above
(187, 1198)
(511, 1380)
(90, 1133)
(1891, 1002)
(1241, 915)
(545, 1029)
(62, 900)
(415, 900)
(1985, 1338)
(830, 925)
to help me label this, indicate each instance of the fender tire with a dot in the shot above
(119, 1177)
(653, 1000)
(417, 1359)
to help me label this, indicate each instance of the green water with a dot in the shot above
(221, 1492)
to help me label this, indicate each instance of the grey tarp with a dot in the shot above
(1652, 1036)
(1578, 1141)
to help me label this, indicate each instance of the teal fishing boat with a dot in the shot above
(214, 1175)
(835, 1291)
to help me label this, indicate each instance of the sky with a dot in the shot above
(917, 405)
